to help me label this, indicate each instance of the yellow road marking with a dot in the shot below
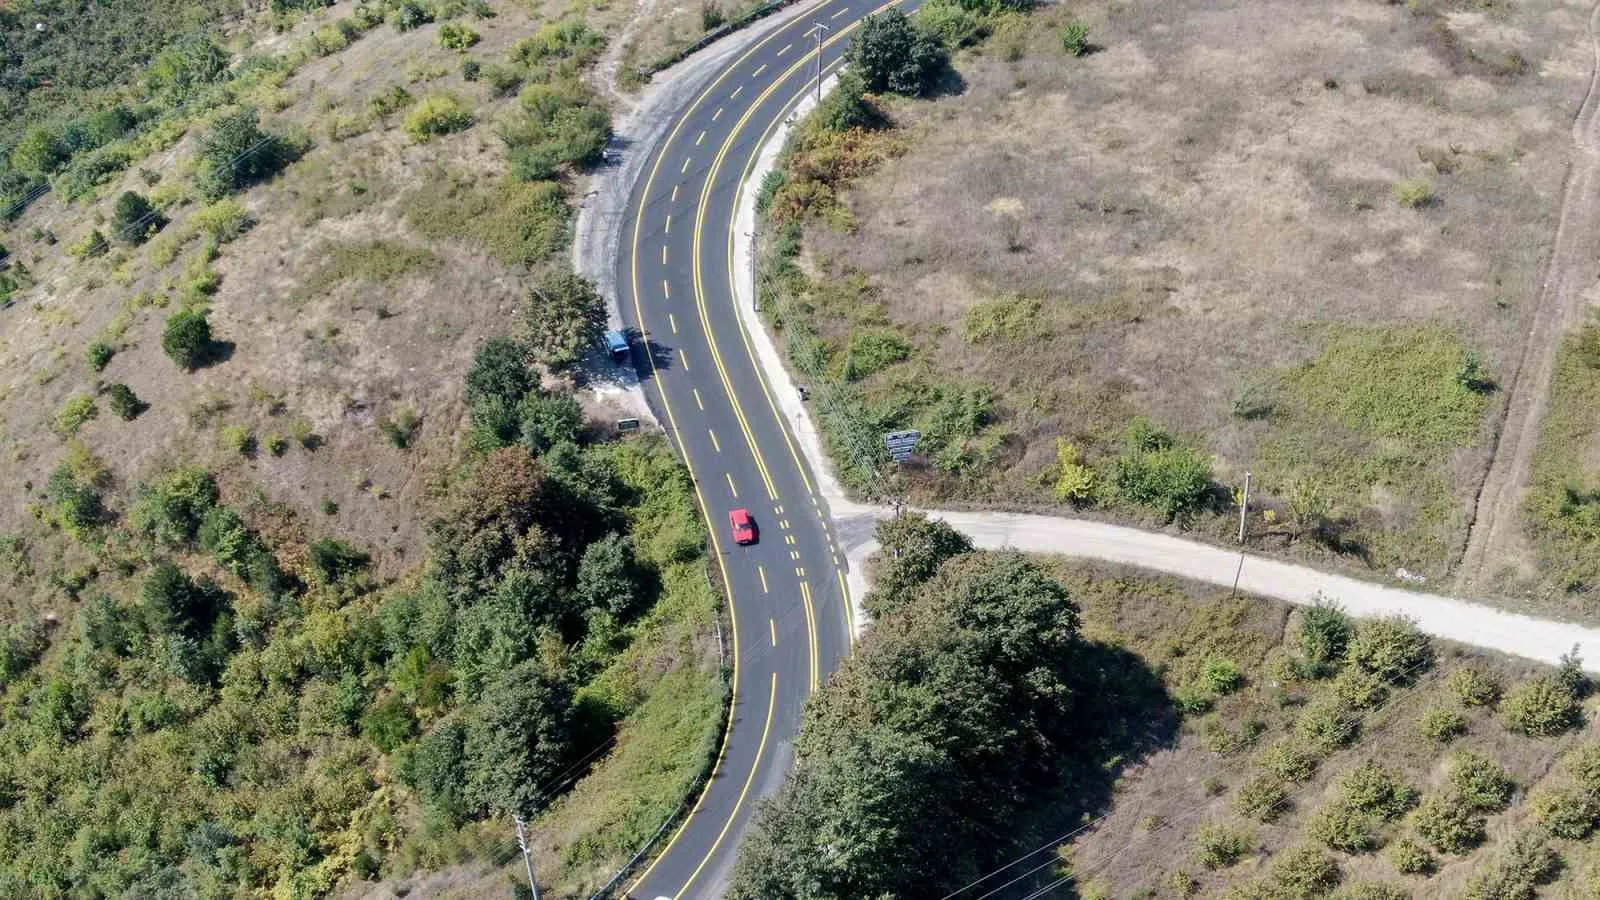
(757, 73)
(700, 137)
(730, 485)
(673, 322)
(668, 228)
(811, 626)
(714, 442)
(705, 199)
(761, 570)
(697, 401)
(755, 765)
(772, 627)
(705, 512)
(716, 115)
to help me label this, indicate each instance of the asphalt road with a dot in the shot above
(675, 283)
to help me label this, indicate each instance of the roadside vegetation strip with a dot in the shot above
(1562, 509)
(759, 12)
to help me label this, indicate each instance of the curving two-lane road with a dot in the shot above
(675, 284)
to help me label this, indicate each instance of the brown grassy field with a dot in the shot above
(1303, 239)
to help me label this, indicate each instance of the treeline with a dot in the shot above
(253, 711)
(965, 711)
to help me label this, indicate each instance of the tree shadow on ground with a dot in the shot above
(1121, 714)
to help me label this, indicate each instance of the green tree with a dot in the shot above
(891, 54)
(848, 107)
(235, 153)
(187, 66)
(1542, 706)
(1391, 648)
(549, 419)
(608, 575)
(40, 152)
(912, 547)
(388, 723)
(133, 219)
(517, 739)
(436, 769)
(563, 316)
(171, 510)
(187, 339)
(1324, 634)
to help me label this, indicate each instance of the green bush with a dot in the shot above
(98, 355)
(1002, 320)
(89, 246)
(1260, 798)
(133, 219)
(1342, 826)
(1540, 707)
(402, 428)
(76, 501)
(1373, 789)
(1360, 689)
(1442, 725)
(1413, 193)
(1566, 811)
(847, 107)
(123, 401)
(1303, 871)
(221, 221)
(873, 351)
(239, 439)
(408, 14)
(1373, 890)
(171, 510)
(1479, 781)
(457, 37)
(1156, 473)
(1287, 760)
(1516, 872)
(1221, 739)
(562, 124)
(1448, 823)
(1326, 725)
(186, 339)
(890, 53)
(437, 114)
(1391, 648)
(1218, 846)
(1075, 39)
(235, 153)
(1583, 764)
(1410, 858)
(74, 411)
(1473, 687)
(1324, 635)
(563, 317)
(953, 24)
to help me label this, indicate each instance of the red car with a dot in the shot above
(744, 527)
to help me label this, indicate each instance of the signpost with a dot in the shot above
(627, 424)
(901, 444)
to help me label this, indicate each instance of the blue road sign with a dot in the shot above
(901, 444)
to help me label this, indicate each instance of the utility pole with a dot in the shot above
(1244, 505)
(818, 28)
(527, 857)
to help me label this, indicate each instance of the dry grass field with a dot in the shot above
(1304, 239)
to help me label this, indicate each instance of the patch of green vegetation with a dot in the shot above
(1377, 409)
(1563, 505)
(519, 223)
(76, 410)
(375, 262)
(435, 115)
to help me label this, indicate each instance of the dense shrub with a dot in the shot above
(186, 339)
(1302, 871)
(1373, 789)
(1325, 725)
(563, 317)
(1516, 872)
(221, 221)
(1448, 823)
(89, 246)
(1156, 472)
(1288, 760)
(1391, 648)
(1410, 858)
(1473, 687)
(1261, 798)
(1479, 781)
(76, 502)
(847, 107)
(1542, 706)
(1359, 689)
(890, 53)
(235, 153)
(1566, 811)
(171, 510)
(98, 355)
(437, 114)
(1442, 725)
(1218, 846)
(1342, 826)
(562, 124)
(133, 219)
(1324, 635)
(1075, 39)
(74, 411)
(457, 37)
(123, 401)
(873, 351)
